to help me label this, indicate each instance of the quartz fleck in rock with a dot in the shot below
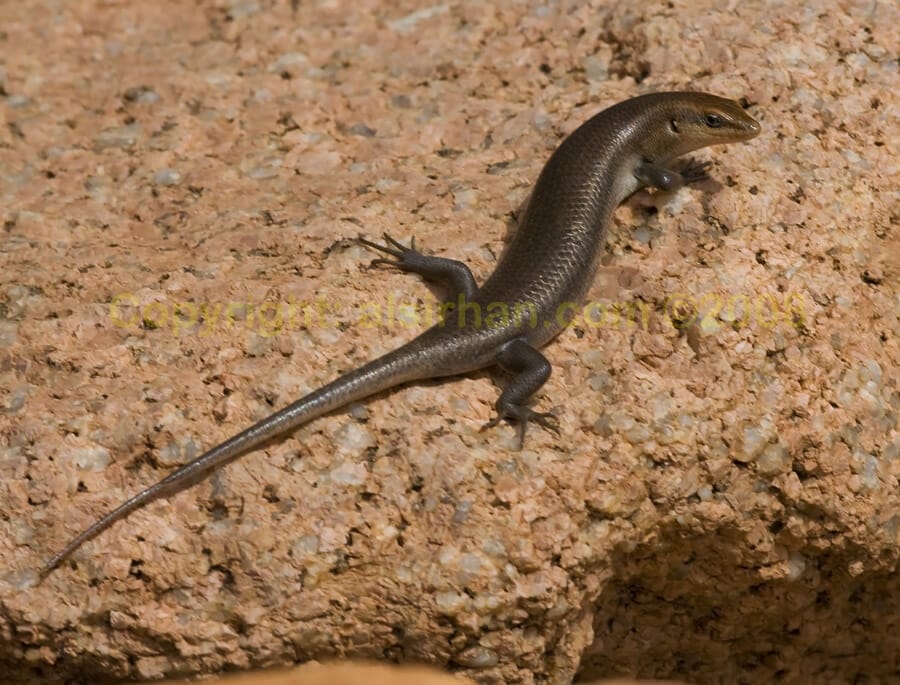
(167, 177)
(121, 137)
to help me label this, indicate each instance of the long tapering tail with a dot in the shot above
(394, 368)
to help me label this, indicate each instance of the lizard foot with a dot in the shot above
(694, 170)
(402, 254)
(523, 416)
(453, 274)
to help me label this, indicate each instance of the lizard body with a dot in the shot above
(549, 265)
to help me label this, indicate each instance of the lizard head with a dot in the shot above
(695, 120)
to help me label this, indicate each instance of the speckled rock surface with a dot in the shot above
(180, 184)
(313, 673)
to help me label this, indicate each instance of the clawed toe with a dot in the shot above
(387, 249)
(490, 424)
(695, 171)
(522, 416)
(384, 262)
(546, 420)
(394, 248)
(400, 246)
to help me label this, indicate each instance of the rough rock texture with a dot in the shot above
(312, 673)
(181, 184)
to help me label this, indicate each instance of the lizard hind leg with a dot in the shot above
(531, 371)
(450, 273)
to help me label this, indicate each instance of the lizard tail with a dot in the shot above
(394, 368)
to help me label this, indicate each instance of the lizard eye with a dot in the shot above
(713, 120)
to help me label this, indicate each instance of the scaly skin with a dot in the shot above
(550, 264)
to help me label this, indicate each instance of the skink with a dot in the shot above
(548, 266)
